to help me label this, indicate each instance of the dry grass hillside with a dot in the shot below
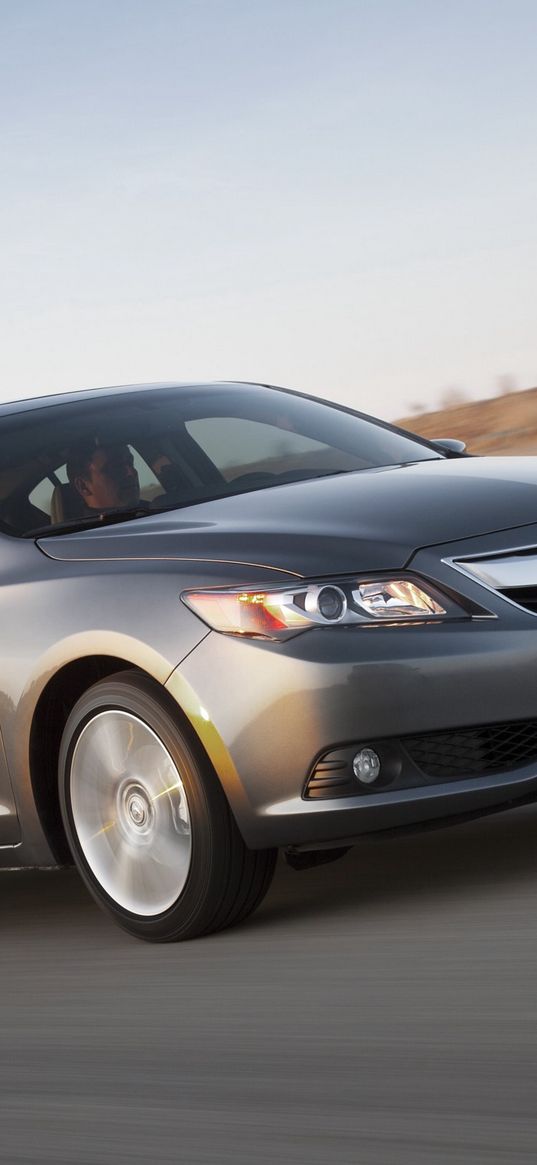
(506, 424)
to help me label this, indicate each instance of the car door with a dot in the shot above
(10, 552)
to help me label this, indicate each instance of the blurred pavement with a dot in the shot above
(382, 1010)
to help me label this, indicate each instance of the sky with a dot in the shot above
(338, 196)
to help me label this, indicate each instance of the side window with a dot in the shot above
(150, 485)
(41, 495)
(238, 446)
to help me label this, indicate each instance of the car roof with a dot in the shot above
(37, 402)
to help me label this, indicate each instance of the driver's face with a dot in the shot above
(112, 479)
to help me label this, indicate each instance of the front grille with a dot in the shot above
(524, 596)
(512, 573)
(489, 748)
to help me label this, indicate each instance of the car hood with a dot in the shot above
(368, 520)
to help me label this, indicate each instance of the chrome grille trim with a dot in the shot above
(512, 569)
(506, 571)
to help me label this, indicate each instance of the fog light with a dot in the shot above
(366, 766)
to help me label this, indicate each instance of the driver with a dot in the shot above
(104, 475)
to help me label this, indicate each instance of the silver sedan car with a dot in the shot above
(237, 619)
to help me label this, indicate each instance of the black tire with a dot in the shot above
(225, 881)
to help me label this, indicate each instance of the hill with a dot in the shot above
(506, 424)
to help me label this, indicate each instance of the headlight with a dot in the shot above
(278, 612)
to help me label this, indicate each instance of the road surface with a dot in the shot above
(381, 1010)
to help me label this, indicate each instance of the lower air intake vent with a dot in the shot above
(332, 777)
(489, 748)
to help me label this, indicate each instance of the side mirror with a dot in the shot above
(449, 445)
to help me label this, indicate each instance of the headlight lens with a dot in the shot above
(278, 612)
(397, 598)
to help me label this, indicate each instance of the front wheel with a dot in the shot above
(148, 823)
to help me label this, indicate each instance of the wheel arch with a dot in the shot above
(55, 703)
(51, 712)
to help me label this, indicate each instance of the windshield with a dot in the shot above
(83, 462)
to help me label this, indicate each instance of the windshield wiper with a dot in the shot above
(99, 518)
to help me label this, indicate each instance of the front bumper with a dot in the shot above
(264, 711)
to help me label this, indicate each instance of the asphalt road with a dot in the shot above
(379, 1010)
